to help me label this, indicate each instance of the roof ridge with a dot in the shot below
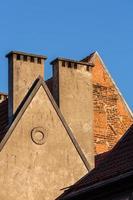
(88, 57)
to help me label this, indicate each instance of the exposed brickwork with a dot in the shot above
(111, 115)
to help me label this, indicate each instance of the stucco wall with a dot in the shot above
(74, 87)
(36, 172)
(22, 75)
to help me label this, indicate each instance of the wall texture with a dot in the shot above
(72, 89)
(111, 114)
(23, 71)
(94, 109)
(31, 171)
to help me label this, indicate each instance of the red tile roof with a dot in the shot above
(117, 162)
(3, 116)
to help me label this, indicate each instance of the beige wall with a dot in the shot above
(22, 75)
(74, 90)
(36, 172)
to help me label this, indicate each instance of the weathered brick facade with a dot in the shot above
(112, 117)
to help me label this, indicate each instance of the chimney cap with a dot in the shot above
(72, 61)
(26, 54)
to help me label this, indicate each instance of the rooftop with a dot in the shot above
(117, 162)
(26, 54)
(71, 60)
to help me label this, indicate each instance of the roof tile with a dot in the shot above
(116, 162)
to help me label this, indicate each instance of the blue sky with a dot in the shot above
(72, 29)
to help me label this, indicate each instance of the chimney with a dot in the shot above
(72, 90)
(23, 69)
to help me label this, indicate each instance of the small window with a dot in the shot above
(18, 57)
(25, 58)
(69, 64)
(32, 59)
(63, 63)
(88, 68)
(39, 60)
(75, 65)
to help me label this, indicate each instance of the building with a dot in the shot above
(111, 179)
(51, 131)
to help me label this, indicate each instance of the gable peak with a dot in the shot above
(91, 57)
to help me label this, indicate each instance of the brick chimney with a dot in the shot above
(23, 69)
(72, 90)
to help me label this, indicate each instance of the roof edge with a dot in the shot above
(119, 92)
(71, 60)
(25, 54)
(92, 57)
(88, 57)
(3, 93)
(94, 186)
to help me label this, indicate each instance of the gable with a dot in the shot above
(112, 116)
(38, 158)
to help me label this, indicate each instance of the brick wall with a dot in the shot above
(111, 114)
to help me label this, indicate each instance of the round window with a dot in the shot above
(38, 135)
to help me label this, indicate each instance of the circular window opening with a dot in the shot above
(38, 135)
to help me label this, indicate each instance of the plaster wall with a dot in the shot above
(22, 74)
(74, 89)
(30, 171)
